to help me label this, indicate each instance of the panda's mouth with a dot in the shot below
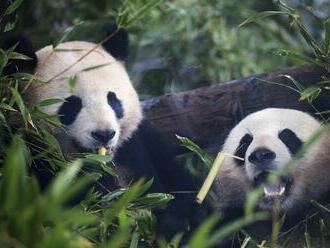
(108, 149)
(273, 190)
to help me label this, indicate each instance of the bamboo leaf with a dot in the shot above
(252, 200)
(176, 240)
(72, 82)
(234, 226)
(298, 85)
(298, 56)
(13, 7)
(150, 201)
(2, 118)
(67, 32)
(3, 60)
(308, 240)
(196, 149)
(327, 36)
(124, 19)
(51, 101)
(309, 39)
(21, 106)
(310, 93)
(112, 196)
(201, 236)
(28, 77)
(7, 107)
(95, 67)
(18, 56)
(63, 181)
(262, 15)
(130, 195)
(321, 207)
(13, 182)
(135, 240)
(11, 25)
(99, 158)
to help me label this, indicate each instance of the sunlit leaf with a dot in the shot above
(310, 93)
(196, 149)
(152, 200)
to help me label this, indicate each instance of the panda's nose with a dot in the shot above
(262, 157)
(103, 136)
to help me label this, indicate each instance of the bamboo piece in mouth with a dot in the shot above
(102, 151)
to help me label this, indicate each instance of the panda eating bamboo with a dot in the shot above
(101, 112)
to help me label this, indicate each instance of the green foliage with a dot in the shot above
(175, 45)
(129, 13)
(317, 52)
(206, 236)
(196, 149)
(192, 43)
(32, 219)
(51, 218)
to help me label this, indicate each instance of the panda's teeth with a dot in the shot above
(269, 191)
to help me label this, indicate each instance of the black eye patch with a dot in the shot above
(69, 110)
(290, 139)
(115, 104)
(242, 147)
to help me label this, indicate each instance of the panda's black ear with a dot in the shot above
(117, 44)
(23, 46)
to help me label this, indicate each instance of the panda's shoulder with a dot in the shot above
(141, 150)
(146, 137)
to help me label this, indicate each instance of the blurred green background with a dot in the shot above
(180, 44)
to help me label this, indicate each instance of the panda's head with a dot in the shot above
(101, 107)
(267, 140)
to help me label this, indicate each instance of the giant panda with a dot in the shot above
(267, 140)
(101, 108)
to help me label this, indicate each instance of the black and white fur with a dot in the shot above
(102, 109)
(268, 140)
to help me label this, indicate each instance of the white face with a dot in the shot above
(267, 140)
(101, 108)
